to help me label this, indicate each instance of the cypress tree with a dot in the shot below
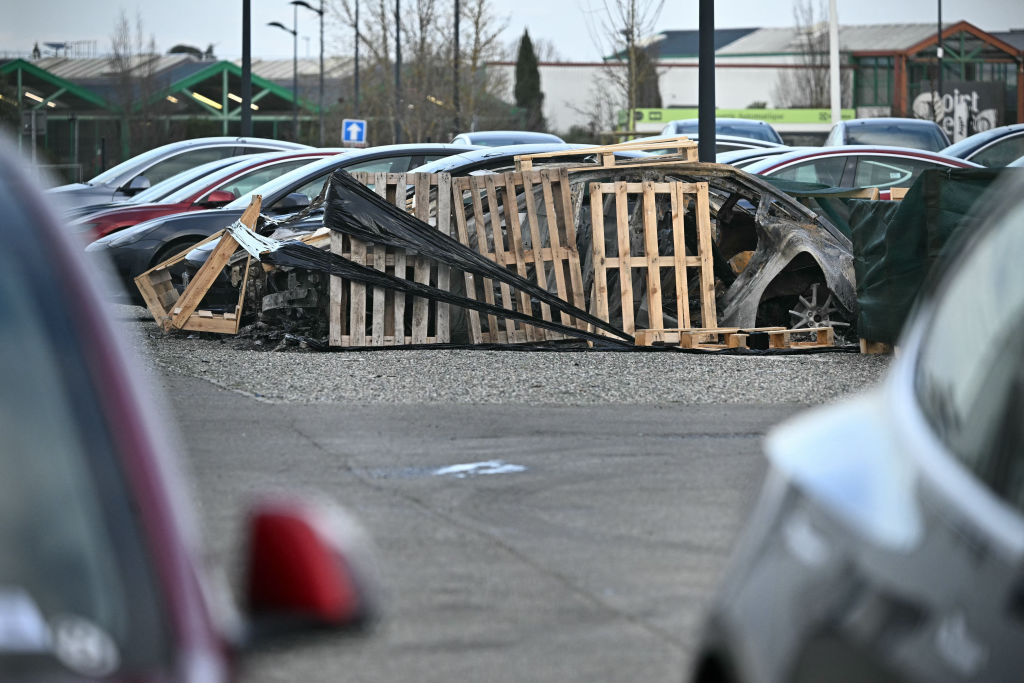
(527, 91)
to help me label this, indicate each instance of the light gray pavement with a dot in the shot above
(593, 563)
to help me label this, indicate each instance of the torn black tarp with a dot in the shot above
(299, 255)
(355, 210)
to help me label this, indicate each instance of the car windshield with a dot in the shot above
(970, 373)
(755, 131)
(73, 568)
(896, 135)
(140, 161)
(289, 179)
(165, 188)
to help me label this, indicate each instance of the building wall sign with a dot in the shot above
(965, 108)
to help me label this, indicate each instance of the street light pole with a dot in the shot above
(398, 71)
(246, 130)
(356, 83)
(295, 68)
(320, 97)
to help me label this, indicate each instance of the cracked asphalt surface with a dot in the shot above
(594, 562)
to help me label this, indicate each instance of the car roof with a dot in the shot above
(965, 147)
(888, 121)
(464, 159)
(343, 159)
(116, 174)
(526, 134)
(851, 150)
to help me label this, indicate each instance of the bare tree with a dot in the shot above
(133, 62)
(807, 85)
(621, 29)
(427, 28)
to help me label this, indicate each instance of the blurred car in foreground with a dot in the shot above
(890, 132)
(149, 168)
(101, 575)
(741, 128)
(888, 541)
(136, 249)
(994, 148)
(212, 190)
(855, 166)
(500, 138)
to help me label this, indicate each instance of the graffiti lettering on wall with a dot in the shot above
(964, 109)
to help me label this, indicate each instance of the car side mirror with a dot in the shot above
(309, 570)
(218, 198)
(296, 201)
(136, 185)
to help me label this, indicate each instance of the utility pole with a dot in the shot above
(356, 83)
(455, 72)
(320, 97)
(630, 74)
(295, 67)
(706, 83)
(398, 71)
(833, 62)
(246, 130)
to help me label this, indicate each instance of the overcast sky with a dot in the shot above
(563, 23)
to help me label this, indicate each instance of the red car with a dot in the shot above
(855, 166)
(211, 191)
(100, 574)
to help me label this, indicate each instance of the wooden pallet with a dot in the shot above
(538, 246)
(898, 193)
(651, 261)
(737, 338)
(378, 316)
(874, 348)
(172, 311)
(680, 145)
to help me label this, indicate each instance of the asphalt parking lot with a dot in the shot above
(538, 516)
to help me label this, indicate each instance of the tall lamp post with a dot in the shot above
(320, 100)
(295, 68)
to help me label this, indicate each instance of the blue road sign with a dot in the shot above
(353, 131)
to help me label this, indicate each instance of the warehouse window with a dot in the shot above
(874, 81)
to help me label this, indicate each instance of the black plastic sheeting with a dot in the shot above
(355, 210)
(299, 255)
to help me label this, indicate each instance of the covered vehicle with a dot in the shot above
(855, 165)
(136, 249)
(209, 191)
(994, 148)
(888, 541)
(500, 138)
(101, 571)
(149, 168)
(892, 132)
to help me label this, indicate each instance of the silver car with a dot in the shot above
(888, 542)
(149, 168)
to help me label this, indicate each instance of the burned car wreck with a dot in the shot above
(510, 257)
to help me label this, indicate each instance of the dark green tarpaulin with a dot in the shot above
(896, 244)
(895, 250)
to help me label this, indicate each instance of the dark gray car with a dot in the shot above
(888, 542)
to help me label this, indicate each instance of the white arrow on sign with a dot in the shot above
(354, 131)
